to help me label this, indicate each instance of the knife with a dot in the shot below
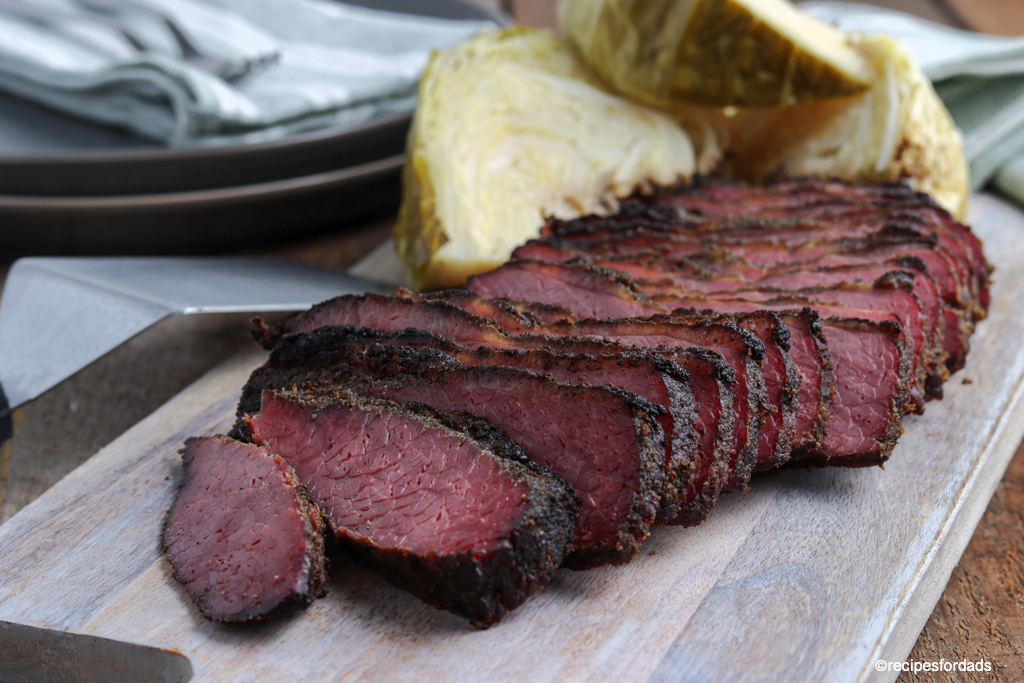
(59, 315)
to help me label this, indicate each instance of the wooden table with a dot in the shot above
(980, 614)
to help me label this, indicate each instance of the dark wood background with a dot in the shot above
(979, 616)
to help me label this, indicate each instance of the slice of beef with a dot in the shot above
(781, 380)
(634, 211)
(872, 378)
(549, 251)
(499, 310)
(543, 313)
(632, 242)
(808, 354)
(618, 470)
(909, 293)
(712, 380)
(948, 277)
(600, 293)
(840, 204)
(891, 296)
(662, 382)
(507, 313)
(917, 256)
(958, 317)
(442, 505)
(588, 291)
(390, 313)
(740, 349)
(241, 536)
(922, 288)
(816, 210)
(747, 238)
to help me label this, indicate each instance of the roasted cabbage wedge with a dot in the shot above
(898, 130)
(713, 52)
(511, 127)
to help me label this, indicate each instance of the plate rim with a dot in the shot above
(130, 155)
(44, 204)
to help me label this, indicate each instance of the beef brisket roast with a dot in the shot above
(620, 371)
(441, 504)
(241, 536)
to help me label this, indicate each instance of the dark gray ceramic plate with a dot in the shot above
(45, 153)
(72, 187)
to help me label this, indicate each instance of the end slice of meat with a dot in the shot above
(241, 536)
(442, 505)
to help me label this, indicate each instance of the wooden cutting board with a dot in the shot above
(813, 575)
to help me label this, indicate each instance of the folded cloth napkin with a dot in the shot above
(310, 64)
(979, 77)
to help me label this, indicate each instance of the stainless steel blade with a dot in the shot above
(58, 315)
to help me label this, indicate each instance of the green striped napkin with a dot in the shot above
(329, 64)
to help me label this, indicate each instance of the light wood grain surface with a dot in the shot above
(980, 614)
(811, 576)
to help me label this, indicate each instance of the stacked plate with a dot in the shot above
(72, 187)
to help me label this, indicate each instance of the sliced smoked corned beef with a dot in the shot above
(714, 383)
(441, 504)
(740, 239)
(774, 214)
(618, 470)
(390, 313)
(502, 312)
(892, 292)
(893, 296)
(636, 211)
(549, 251)
(951, 281)
(872, 378)
(711, 378)
(890, 295)
(543, 313)
(808, 354)
(825, 199)
(782, 385)
(740, 349)
(921, 286)
(747, 238)
(842, 204)
(662, 382)
(241, 536)
(655, 277)
(600, 293)
(781, 381)
(955, 315)
(949, 328)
